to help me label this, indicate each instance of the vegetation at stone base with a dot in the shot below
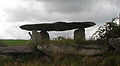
(63, 40)
(39, 59)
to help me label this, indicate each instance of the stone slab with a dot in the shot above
(87, 50)
(16, 49)
(57, 26)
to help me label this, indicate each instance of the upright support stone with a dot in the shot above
(44, 37)
(39, 38)
(79, 34)
(35, 37)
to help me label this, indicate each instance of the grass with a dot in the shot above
(40, 59)
(24, 42)
(113, 60)
(14, 42)
(65, 41)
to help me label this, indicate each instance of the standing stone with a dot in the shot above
(36, 38)
(44, 37)
(39, 38)
(79, 34)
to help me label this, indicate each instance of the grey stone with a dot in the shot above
(115, 43)
(88, 50)
(39, 38)
(58, 26)
(79, 34)
(16, 49)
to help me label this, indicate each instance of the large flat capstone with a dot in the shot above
(58, 26)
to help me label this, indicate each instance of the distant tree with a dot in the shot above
(109, 30)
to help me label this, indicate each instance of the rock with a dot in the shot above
(35, 37)
(115, 43)
(58, 26)
(40, 38)
(16, 49)
(79, 34)
(43, 36)
(88, 50)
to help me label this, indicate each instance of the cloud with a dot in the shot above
(39, 11)
(63, 10)
(65, 6)
(49, 10)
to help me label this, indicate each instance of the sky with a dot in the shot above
(14, 13)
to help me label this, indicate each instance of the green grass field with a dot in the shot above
(10, 42)
(14, 42)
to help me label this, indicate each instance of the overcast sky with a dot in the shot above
(14, 13)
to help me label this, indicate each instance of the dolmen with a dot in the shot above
(42, 37)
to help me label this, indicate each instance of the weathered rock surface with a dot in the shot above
(56, 49)
(16, 49)
(40, 38)
(58, 26)
(115, 43)
(79, 34)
